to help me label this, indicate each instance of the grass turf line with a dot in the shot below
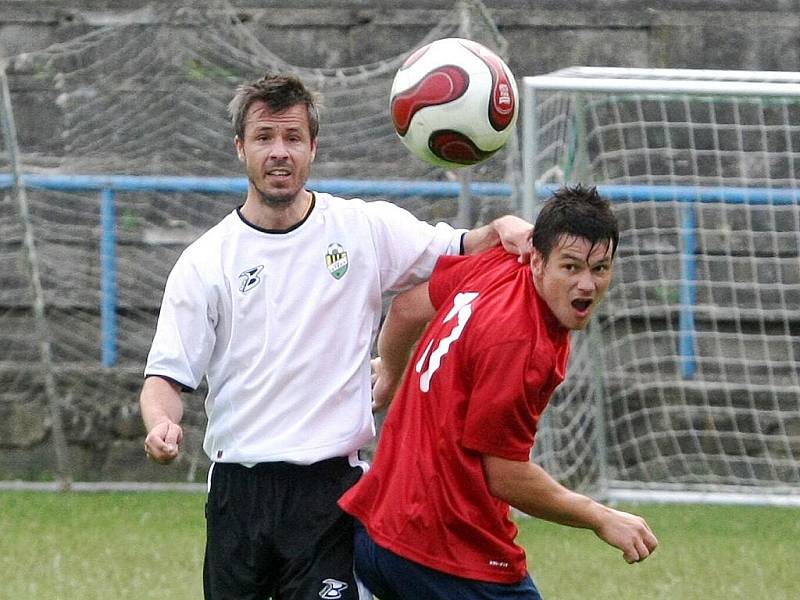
(69, 546)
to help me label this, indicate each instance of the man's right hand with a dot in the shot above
(163, 442)
(383, 387)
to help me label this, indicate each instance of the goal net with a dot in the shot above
(83, 267)
(688, 383)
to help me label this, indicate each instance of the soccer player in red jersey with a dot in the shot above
(453, 454)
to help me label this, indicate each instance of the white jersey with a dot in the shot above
(281, 324)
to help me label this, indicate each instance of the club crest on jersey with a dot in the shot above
(336, 260)
(248, 279)
(332, 588)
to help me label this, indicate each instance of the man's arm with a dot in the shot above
(162, 410)
(405, 320)
(528, 487)
(510, 231)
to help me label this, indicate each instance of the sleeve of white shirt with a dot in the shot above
(407, 248)
(184, 337)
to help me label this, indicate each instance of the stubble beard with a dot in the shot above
(275, 200)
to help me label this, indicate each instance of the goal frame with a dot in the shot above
(693, 82)
(708, 82)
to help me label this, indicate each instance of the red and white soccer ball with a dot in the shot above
(454, 102)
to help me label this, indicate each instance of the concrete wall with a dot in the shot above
(544, 35)
(105, 434)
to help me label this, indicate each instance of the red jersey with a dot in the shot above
(482, 374)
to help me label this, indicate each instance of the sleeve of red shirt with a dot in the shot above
(503, 412)
(447, 274)
(451, 271)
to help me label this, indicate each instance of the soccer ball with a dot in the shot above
(454, 102)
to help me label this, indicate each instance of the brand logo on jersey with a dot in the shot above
(332, 588)
(500, 564)
(249, 279)
(336, 260)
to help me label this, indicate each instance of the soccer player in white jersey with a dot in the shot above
(277, 306)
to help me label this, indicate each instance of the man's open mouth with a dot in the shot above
(581, 304)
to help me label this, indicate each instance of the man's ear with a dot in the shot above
(537, 263)
(237, 143)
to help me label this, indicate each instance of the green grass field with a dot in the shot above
(150, 545)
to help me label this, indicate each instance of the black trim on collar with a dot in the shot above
(287, 230)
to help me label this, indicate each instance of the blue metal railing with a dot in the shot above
(108, 185)
(238, 185)
(108, 278)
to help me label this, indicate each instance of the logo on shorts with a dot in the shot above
(332, 589)
(336, 261)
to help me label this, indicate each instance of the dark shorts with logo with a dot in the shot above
(275, 530)
(392, 577)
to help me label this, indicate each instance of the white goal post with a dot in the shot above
(687, 386)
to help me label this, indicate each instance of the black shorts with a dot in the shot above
(275, 531)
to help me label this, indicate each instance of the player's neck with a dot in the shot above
(269, 215)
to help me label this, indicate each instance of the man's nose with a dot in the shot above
(278, 148)
(586, 281)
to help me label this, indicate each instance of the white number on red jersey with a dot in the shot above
(462, 308)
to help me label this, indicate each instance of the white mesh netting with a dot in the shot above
(698, 356)
(148, 97)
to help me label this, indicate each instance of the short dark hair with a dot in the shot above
(279, 91)
(574, 211)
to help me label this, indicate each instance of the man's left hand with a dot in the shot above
(515, 236)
